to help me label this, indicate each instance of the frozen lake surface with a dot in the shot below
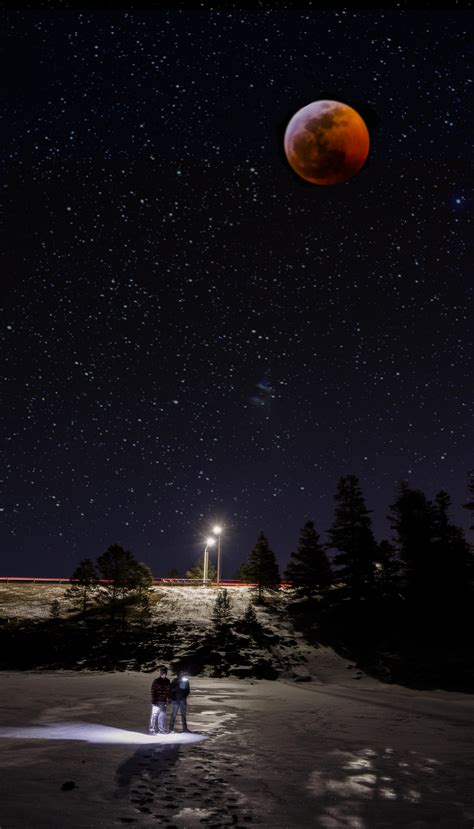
(75, 754)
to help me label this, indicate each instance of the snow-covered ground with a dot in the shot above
(187, 604)
(331, 753)
(324, 746)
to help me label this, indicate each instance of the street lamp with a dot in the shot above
(209, 542)
(217, 531)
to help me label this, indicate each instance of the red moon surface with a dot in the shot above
(326, 142)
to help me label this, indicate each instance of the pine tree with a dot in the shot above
(451, 560)
(387, 569)
(351, 534)
(83, 583)
(125, 576)
(241, 574)
(250, 617)
(441, 526)
(309, 570)
(411, 516)
(434, 551)
(262, 567)
(140, 578)
(469, 505)
(221, 609)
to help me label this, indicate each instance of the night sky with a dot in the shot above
(192, 333)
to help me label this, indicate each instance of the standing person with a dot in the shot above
(160, 697)
(179, 692)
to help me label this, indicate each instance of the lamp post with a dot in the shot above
(209, 543)
(217, 531)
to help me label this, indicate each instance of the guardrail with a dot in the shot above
(164, 581)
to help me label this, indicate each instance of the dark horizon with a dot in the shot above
(193, 334)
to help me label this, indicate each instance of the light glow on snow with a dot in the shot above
(359, 763)
(389, 794)
(361, 781)
(413, 796)
(95, 733)
(360, 785)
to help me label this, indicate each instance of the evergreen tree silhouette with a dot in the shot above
(387, 569)
(262, 567)
(241, 574)
(83, 583)
(411, 517)
(452, 556)
(351, 535)
(250, 617)
(309, 570)
(469, 505)
(436, 556)
(125, 575)
(222, 609)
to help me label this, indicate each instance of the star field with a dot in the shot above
(193, 334)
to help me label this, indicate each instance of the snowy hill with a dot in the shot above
(180, 633)
(41, 628)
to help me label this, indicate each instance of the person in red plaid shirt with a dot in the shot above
(160, 697)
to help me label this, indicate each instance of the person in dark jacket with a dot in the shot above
(160, 697)
(179, 693)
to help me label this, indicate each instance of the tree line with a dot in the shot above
(429, 560)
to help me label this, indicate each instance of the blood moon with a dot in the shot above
(326, 142)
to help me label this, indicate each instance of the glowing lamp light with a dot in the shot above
(210, 541)
(217, 530)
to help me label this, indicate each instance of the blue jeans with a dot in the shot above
(178, 705)
(158, 718)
